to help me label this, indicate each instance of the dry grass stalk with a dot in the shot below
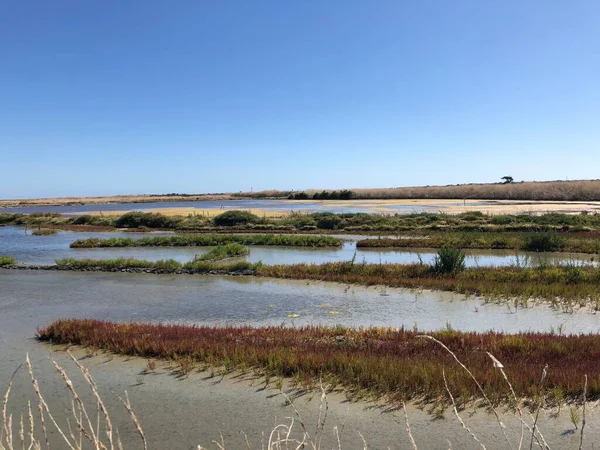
(73, 435)
(5, 428)
(44, 405)
(134, 418)
(583, 415)
(458, 415)
(483, 394)
(93, 436)
(524, 424)
(407, 423)
(539, 404)
(101, 407)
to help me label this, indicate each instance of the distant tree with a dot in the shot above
(346, 195)
(507, 179)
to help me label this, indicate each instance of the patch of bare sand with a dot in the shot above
(183, 412)
(186, 211)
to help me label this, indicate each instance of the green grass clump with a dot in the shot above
(223, 252)
(397, 364)
(9, 218)
(7, 261)
(168, 265)
(449, 261)
(44, 232)
(191, 240)
(199, 266)
(119, 263)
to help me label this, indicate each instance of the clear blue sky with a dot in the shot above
(104, 97)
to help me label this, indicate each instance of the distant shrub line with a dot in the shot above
(190, 240)
(351, 222)
(396, 364)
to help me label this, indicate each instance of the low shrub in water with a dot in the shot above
(449, 260)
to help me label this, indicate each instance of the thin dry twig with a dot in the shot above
(410, 436)
(44, 405)
(502, 427)
(134, 419)
(524, 424)
(5, 427)
(583, 415)
(539, 405)
(92, 383)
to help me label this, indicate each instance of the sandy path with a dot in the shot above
(184, 412)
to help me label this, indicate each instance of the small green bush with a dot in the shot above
(498, 243)
(138, 219)
(327, 221)
(449, 261)
(83, 220)
(223, 252)
(7, 261)
(233, 218)
(574, 273)
(9, 218)
(543, 242)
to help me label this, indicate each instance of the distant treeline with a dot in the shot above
(323, 195)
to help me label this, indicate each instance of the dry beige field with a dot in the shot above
(61, 201)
